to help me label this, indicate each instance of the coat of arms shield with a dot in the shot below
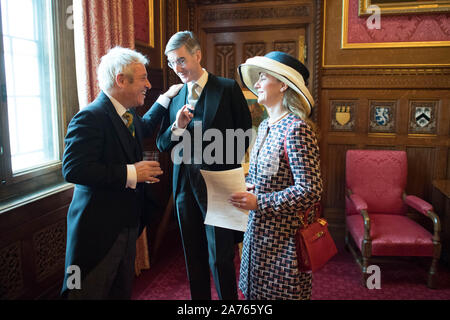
(343, 115)
(382, 116)
(423, 116)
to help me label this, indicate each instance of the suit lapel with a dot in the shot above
(178, 102)
(213, 93)
(125, 138)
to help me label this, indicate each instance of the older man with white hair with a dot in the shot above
(103, 158)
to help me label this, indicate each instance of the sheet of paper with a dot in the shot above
(220, 185)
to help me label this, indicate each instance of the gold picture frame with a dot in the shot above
(346, 45)
(401, 7)
(151, 27)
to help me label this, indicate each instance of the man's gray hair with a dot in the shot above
(117, 60)
(183, 38)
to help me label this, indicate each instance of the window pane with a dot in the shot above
(21, 13)
(29, 71)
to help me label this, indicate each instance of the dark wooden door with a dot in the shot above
(224, 51)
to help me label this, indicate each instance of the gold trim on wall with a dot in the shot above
(346, 45)
(396, 7)
(151, 22)
(302, 53)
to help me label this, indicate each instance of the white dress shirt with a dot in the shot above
(201, 82)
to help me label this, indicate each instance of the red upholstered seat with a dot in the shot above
(376, 208)
(392, 235)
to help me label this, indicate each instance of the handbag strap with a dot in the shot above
(317, 206)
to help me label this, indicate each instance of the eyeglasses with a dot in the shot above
(180, 61)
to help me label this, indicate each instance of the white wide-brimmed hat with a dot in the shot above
(283, 67)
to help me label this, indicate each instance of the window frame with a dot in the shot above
(21, 187)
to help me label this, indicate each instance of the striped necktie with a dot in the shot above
(129, 117)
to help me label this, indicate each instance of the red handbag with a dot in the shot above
(314, 244)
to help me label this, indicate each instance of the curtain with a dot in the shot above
(101, 25)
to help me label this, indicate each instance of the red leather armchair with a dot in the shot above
(376, 207)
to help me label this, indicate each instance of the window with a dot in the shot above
(29, 72)
(37, 59)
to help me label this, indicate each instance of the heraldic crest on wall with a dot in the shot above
(382, 116)
(342, 115)
(423, 117)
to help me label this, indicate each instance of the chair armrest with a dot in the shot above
(418, 204)
(358, 202)
(426, 209)
(361, 205)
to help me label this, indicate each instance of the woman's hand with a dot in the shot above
(250, 187)
(244, 200)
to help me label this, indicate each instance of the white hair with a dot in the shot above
(117, 60)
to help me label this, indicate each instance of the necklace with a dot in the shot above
(278, 119)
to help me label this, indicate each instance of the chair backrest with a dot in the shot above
(379, 177)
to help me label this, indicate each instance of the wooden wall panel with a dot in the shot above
(421, 170)
(363, 79)
(32, 248)
(254, 28)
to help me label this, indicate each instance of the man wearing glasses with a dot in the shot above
(210, 102)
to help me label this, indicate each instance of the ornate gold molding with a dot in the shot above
(386, 81)
(212, 15)
(404, 7)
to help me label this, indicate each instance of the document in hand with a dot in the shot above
(220, 185)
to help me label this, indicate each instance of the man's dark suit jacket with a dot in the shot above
(225, 108)
(98, 148)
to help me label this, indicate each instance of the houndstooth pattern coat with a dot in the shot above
(269, 260)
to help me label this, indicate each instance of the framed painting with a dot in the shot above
(393, 31)
(400, 7)
(144, 22)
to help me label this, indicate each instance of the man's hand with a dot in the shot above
(184, 116)
(173, 91)
(147, 171)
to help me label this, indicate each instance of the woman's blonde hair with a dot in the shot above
(293, 103)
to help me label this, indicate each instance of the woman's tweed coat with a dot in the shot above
(269, 260)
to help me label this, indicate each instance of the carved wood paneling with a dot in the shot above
(290, 47)
(11, 274)
(389, 79)
(225, 60)
(49, 249)
(32, 247)
(254, 49)
(257, 13)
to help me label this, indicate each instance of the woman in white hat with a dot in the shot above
(284, 178)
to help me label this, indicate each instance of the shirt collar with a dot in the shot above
(201, 82)
(120, 109)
